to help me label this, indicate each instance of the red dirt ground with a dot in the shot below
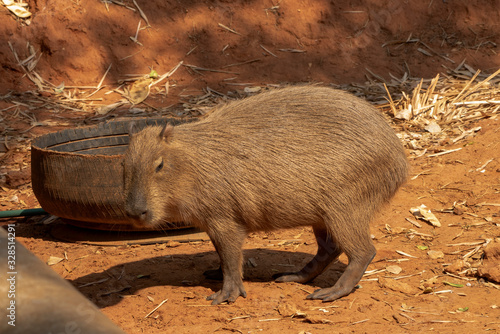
(340, 42)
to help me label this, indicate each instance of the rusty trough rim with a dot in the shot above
(114, 133)
(63, 161)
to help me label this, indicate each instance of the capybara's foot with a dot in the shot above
(298, 277)
(227, 294)
(329, 294)
(348, 281)
(214, 274)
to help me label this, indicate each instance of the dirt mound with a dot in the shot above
(320, 41)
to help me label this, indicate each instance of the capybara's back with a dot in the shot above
(289, 157)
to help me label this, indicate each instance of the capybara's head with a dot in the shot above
(148, 170)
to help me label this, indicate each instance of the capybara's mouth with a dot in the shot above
(141, 223)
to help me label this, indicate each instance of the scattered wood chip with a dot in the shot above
(288, 309)
(315, 319)
(457, 266)
(490, 269)
(54, 260)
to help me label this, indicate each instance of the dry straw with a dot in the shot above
(423, 111)
(449, 100)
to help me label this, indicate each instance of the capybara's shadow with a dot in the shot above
(105, 288)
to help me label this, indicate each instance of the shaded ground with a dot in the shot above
(270, 43)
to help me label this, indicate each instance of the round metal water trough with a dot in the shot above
(77, 174)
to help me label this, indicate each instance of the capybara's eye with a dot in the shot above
(159, 166)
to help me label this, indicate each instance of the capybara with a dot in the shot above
(296, 156)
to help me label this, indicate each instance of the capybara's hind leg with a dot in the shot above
(228, 243)
(327, 253)
(360, 252)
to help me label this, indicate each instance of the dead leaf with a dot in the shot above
(422, 212)
(433, 127)
(435, 254)
(110, 107)
(19, 11)
(396, 270)
(403, 114)
(139, 90)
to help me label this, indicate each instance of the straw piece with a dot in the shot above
(168, 74)
(135, 39)
(243, 63)
(292, 50)
(272, 54)
(444, 152)
(141, 13)
(191, 51)
(133, 54)
(405, 254)
(99, 85)
(229, 29)
(197, 68)
(157, 307)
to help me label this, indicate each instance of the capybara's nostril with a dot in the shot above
(136, 209)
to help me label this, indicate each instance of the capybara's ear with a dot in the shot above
(167, 132)
(132, 129)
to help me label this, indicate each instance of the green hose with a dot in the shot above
(23, 213)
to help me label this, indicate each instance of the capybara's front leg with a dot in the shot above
(228, 243)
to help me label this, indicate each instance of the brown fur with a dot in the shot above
(289, 157)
